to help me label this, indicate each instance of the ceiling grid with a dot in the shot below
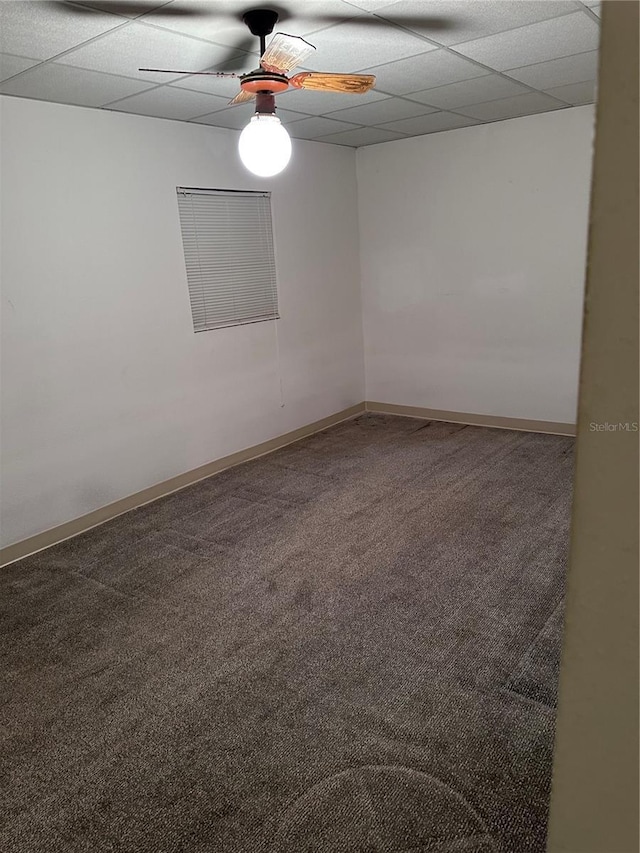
(439, 64)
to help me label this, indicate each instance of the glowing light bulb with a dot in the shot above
(264, 145)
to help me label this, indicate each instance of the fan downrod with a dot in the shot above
(261, 23)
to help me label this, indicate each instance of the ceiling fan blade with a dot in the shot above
(242, 97)
(382, 21)
(284, 53)
(193, 73)
(356, 84)
(238, 56)
(131, 9)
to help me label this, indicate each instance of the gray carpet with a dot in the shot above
(351, 644)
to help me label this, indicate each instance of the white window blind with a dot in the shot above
(228, 249)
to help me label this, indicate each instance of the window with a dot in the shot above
(228, 249)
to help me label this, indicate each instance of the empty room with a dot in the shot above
(292, 316)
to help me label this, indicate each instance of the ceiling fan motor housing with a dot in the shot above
(260, 21)
(264, 81)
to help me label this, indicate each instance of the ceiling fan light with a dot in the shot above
(265, 145)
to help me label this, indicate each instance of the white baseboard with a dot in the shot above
(494, 421)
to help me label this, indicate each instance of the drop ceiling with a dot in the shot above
(439, 64)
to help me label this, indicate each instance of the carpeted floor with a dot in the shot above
(348, 645)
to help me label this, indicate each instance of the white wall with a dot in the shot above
(473, 248)
(106, 389)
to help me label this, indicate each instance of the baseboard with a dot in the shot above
(43, 540)
(494, 421)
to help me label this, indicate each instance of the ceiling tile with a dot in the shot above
(477, 91)
(436, 68)
(347, 47)
(534, 102)
(140, 46)
(311, 128)
(558, 37)
(378, 112)
(11, 65)
(433, 123)
(454, 21)
(362, 136)
(558, 72)
(43, 30)
(165, 102)
(53, 82)
(372, 5)
(575, 93)
(319, 103)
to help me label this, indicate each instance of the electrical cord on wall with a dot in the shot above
(279, 366)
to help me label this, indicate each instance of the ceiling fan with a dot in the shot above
(264, 145)
(283, 54)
